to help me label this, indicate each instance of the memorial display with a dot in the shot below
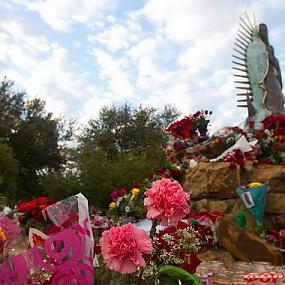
(215, 214)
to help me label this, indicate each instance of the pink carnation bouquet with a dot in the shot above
(166, 201)
(123, 248)
(137, 256)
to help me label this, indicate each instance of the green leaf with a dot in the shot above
(170, 275)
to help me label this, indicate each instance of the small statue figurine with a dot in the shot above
(259, 71)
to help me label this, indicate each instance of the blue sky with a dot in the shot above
(79, 55)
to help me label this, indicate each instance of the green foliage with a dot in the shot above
(34, 137)
(99, 174)
(130, 205)
(8, 172)
(60, 185)
(11, 109)
(120, 129)
(122, 146)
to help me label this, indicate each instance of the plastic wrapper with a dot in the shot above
(64, 257)
(254, 200)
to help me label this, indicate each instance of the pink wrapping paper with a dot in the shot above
(63, 258)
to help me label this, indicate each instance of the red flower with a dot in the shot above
(114, 195)
(97, 249)
(251, 124)
(136, 184)
(21, 219)
(122, 191)
(22, 207)
(42, 200)
(259, 134)
(192, 264)
(274, 121)
(38, 240)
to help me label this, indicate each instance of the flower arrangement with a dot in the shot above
(31, 211)
(268, 143)
(64, 257)
(128, 205)
(177, 245)
(271, 140)
(191, 127)
(130, 256)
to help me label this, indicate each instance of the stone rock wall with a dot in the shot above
(245, 245)
(213, 187)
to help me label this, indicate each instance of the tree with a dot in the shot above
(123, 145)
(34, 136)
(11, 109)
(99, 174)
(119, 129)
(8, 172)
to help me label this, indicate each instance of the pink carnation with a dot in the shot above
(166, 201)
(122, 248)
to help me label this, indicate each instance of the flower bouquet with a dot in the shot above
(130, 256)
(127, 205)
(192, 128)
(65, 256)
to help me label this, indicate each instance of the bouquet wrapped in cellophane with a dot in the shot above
(62, 255)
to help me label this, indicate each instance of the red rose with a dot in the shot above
(22, 207)
(42, 200)
(32, 205)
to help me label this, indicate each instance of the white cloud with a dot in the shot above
(93, 105)
(117, 36)
(111, 71)
(168, 51)
(60, 15)
(21, 34)
(18, 55)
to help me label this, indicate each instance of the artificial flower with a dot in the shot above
(254, 184)
(135, 192)
(166, 201)
(123, 248)
(112, 205)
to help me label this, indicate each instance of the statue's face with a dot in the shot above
(263, 33)
(262, 29)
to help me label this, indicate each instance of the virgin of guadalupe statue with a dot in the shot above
(258, 71)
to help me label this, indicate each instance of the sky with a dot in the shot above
(80, 55)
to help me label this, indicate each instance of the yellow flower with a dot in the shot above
(112, 205)
(254, 184)
(135, 193)
(2, 234)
